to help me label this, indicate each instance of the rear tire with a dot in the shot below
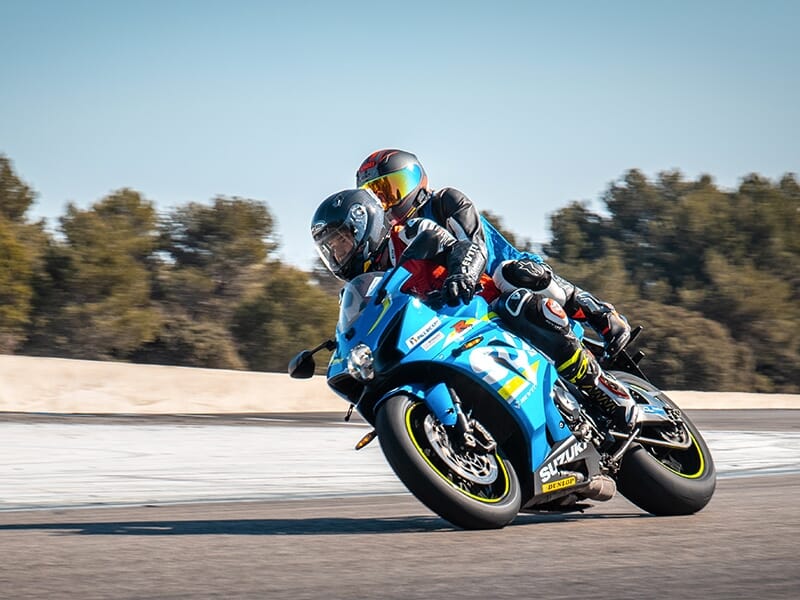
(663, 481)
(469, 489)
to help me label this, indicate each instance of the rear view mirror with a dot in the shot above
(302, 366)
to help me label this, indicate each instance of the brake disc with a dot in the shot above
(472, 466)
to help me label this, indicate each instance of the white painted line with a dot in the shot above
(47, 465)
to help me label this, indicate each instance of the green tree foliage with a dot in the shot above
(698, 354)
(578, 234)
(99, 305)
(761, 310)
(215, 249)
(188, 342)
(606, 276)
(713, 275)
(15, 196)
(22, 246)
(327, 282)
(213, 256)
(287, 315)
(730, 256)
(16, 291)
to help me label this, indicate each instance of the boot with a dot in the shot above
(602, 388)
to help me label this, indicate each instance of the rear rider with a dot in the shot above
(535, 302)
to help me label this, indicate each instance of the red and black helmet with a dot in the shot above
(397, 179)
(349, 229)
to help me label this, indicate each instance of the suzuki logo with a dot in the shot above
(550, 470)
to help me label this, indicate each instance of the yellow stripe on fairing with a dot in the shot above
(386, 303)
(512, 387)
(531, 371)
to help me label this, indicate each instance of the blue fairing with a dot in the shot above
(467, 339)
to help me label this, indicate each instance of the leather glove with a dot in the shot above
(458, 288)
(465, 263)
(616, 332)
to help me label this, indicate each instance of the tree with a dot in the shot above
(287, 315)
(214, 256)
(606, 277)
(759, 309)
(22, 245)
(684, 350)
(222, 243)
(16, 291)
(326, 281)
(190, 343)
(731, 257)
(578, 234)
(98, 305)
(15, 196)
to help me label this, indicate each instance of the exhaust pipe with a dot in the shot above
(600, 488)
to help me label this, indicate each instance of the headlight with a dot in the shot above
(359, 363)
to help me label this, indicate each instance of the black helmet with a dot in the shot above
(349, 229)
(397, 179)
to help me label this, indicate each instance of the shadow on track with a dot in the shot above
(313, 526)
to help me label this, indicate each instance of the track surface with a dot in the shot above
(743, 545)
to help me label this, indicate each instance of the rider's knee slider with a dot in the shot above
(528, 274)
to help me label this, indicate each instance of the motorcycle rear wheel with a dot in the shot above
(666, 481)
(471, 490)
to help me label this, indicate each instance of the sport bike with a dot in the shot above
(477, 424)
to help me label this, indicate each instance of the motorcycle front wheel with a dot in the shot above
(469, 488)
(661, 480)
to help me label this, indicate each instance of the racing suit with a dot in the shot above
(527, 295)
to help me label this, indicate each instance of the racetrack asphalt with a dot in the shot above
(743, 545)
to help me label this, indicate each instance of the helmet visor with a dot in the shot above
(393, 188)
(336, 247)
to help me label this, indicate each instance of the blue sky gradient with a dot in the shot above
(524, 106)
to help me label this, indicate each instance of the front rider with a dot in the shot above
(535, 302)
(353, 236)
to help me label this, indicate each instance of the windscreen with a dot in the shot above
(355, 295)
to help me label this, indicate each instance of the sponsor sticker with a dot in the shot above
(550, 470)
(459, 329)
(432, 341)
(559, 484)
(423, 332)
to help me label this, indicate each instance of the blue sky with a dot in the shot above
(524, 106)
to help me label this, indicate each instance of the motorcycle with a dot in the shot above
(476, 422)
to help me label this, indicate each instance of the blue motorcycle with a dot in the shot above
(477, 424)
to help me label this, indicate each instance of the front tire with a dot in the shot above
(469, 489)
(666, 481)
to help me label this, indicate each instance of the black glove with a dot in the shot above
(458, 288)
(465, 263)
(616, 332)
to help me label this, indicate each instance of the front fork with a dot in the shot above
(445, 405)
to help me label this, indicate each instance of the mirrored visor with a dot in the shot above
(392, 188)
